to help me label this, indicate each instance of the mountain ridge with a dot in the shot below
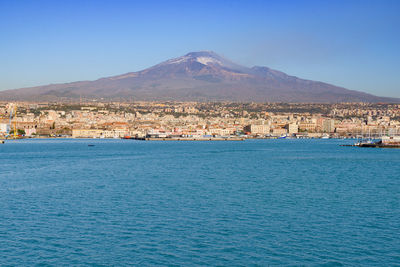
(198, 76)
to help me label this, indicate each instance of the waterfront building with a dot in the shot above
(4, 128)
(293, 128)
(307, 126)
(328, 126)
(114, 133)
(279, 131)
(86, 133)
(262, 129)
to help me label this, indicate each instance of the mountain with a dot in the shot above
(198, 76)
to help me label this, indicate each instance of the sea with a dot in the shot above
(289, 202)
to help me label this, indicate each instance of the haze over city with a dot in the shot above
(351, 44)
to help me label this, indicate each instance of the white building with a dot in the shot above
(4, 128)
(293, 128)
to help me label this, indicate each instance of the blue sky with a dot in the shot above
(354, 44)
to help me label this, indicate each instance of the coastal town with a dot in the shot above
(197, 120)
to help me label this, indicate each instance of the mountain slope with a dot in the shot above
(198, 76)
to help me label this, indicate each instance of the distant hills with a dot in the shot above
(198, 76)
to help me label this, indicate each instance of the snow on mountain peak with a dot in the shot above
(177, 60)
(206, 60)
(200, 57)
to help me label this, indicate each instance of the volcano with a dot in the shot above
(198, 76)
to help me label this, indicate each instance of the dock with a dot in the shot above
(385, 142)
(189, 138)
(375, 145)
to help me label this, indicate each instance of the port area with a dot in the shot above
(187, 138)
(384, 142)
(375, 145)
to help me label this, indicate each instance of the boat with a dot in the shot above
(325, 136)
(384, 142)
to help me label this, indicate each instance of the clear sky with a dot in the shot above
(354, 44)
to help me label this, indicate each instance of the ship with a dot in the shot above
(383, 142)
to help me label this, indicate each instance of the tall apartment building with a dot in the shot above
(328, 126)
(293, 128)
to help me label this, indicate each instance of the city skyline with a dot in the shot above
(198, 121)
(349, 44)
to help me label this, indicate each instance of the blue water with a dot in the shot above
(257, 202)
